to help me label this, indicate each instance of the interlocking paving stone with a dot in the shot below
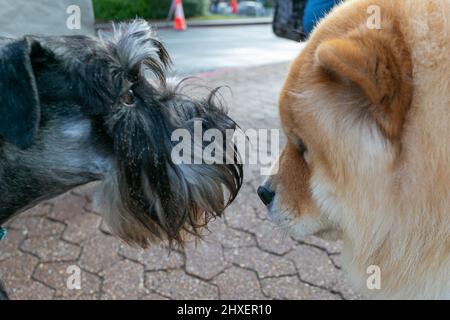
(17, 268)
(157, 257)
(100, 252)
(40, 210)
(16, 272)
(242, 215)
(51, 249)
(337, 260)
(344, 287)
(252, 197)
(205, 259)
(83, 226)
(331, 247)
(290, 288)
(27, 290)
(10, 244)
(229, 237)
(314, 266)
(176, 284)
(105, 228)
(265, 264)
(36, 226)
(94, 296)
(153, 296)
(124, 280)
(88, 191)
(66, 206)
(85, 191)
(239, 284)
(271, 238)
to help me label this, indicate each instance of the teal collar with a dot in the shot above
(3, 233)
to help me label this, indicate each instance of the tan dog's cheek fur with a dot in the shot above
(293, 207)
(292, 181)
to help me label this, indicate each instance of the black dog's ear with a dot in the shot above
(19, 98)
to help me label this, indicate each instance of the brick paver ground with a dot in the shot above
(244, 257)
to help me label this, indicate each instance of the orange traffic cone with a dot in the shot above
(234, 6)
(179, 22)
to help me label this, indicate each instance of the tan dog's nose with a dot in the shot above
(265, 194)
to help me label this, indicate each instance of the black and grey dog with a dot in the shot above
(78, 109)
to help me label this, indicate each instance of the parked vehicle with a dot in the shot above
(220, 7)
(251, 9)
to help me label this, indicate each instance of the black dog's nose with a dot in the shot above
(266, 195)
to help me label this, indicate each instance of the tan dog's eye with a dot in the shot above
(301, 147)
(303, 150)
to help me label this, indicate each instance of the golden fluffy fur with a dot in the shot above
(372, 107)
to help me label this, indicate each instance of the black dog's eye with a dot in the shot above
(128, 98)
(133, 78)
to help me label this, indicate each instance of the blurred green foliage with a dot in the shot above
(112, 10)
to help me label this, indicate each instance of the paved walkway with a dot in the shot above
(244, 257)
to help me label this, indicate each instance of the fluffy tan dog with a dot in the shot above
(366, 109)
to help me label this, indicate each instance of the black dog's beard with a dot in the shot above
(149, 198)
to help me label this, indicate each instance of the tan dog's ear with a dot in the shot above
(379, 64)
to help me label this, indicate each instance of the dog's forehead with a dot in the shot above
(304, 94)
(293, 108)
(135, 44)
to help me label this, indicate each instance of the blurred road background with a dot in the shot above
(204, 49)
